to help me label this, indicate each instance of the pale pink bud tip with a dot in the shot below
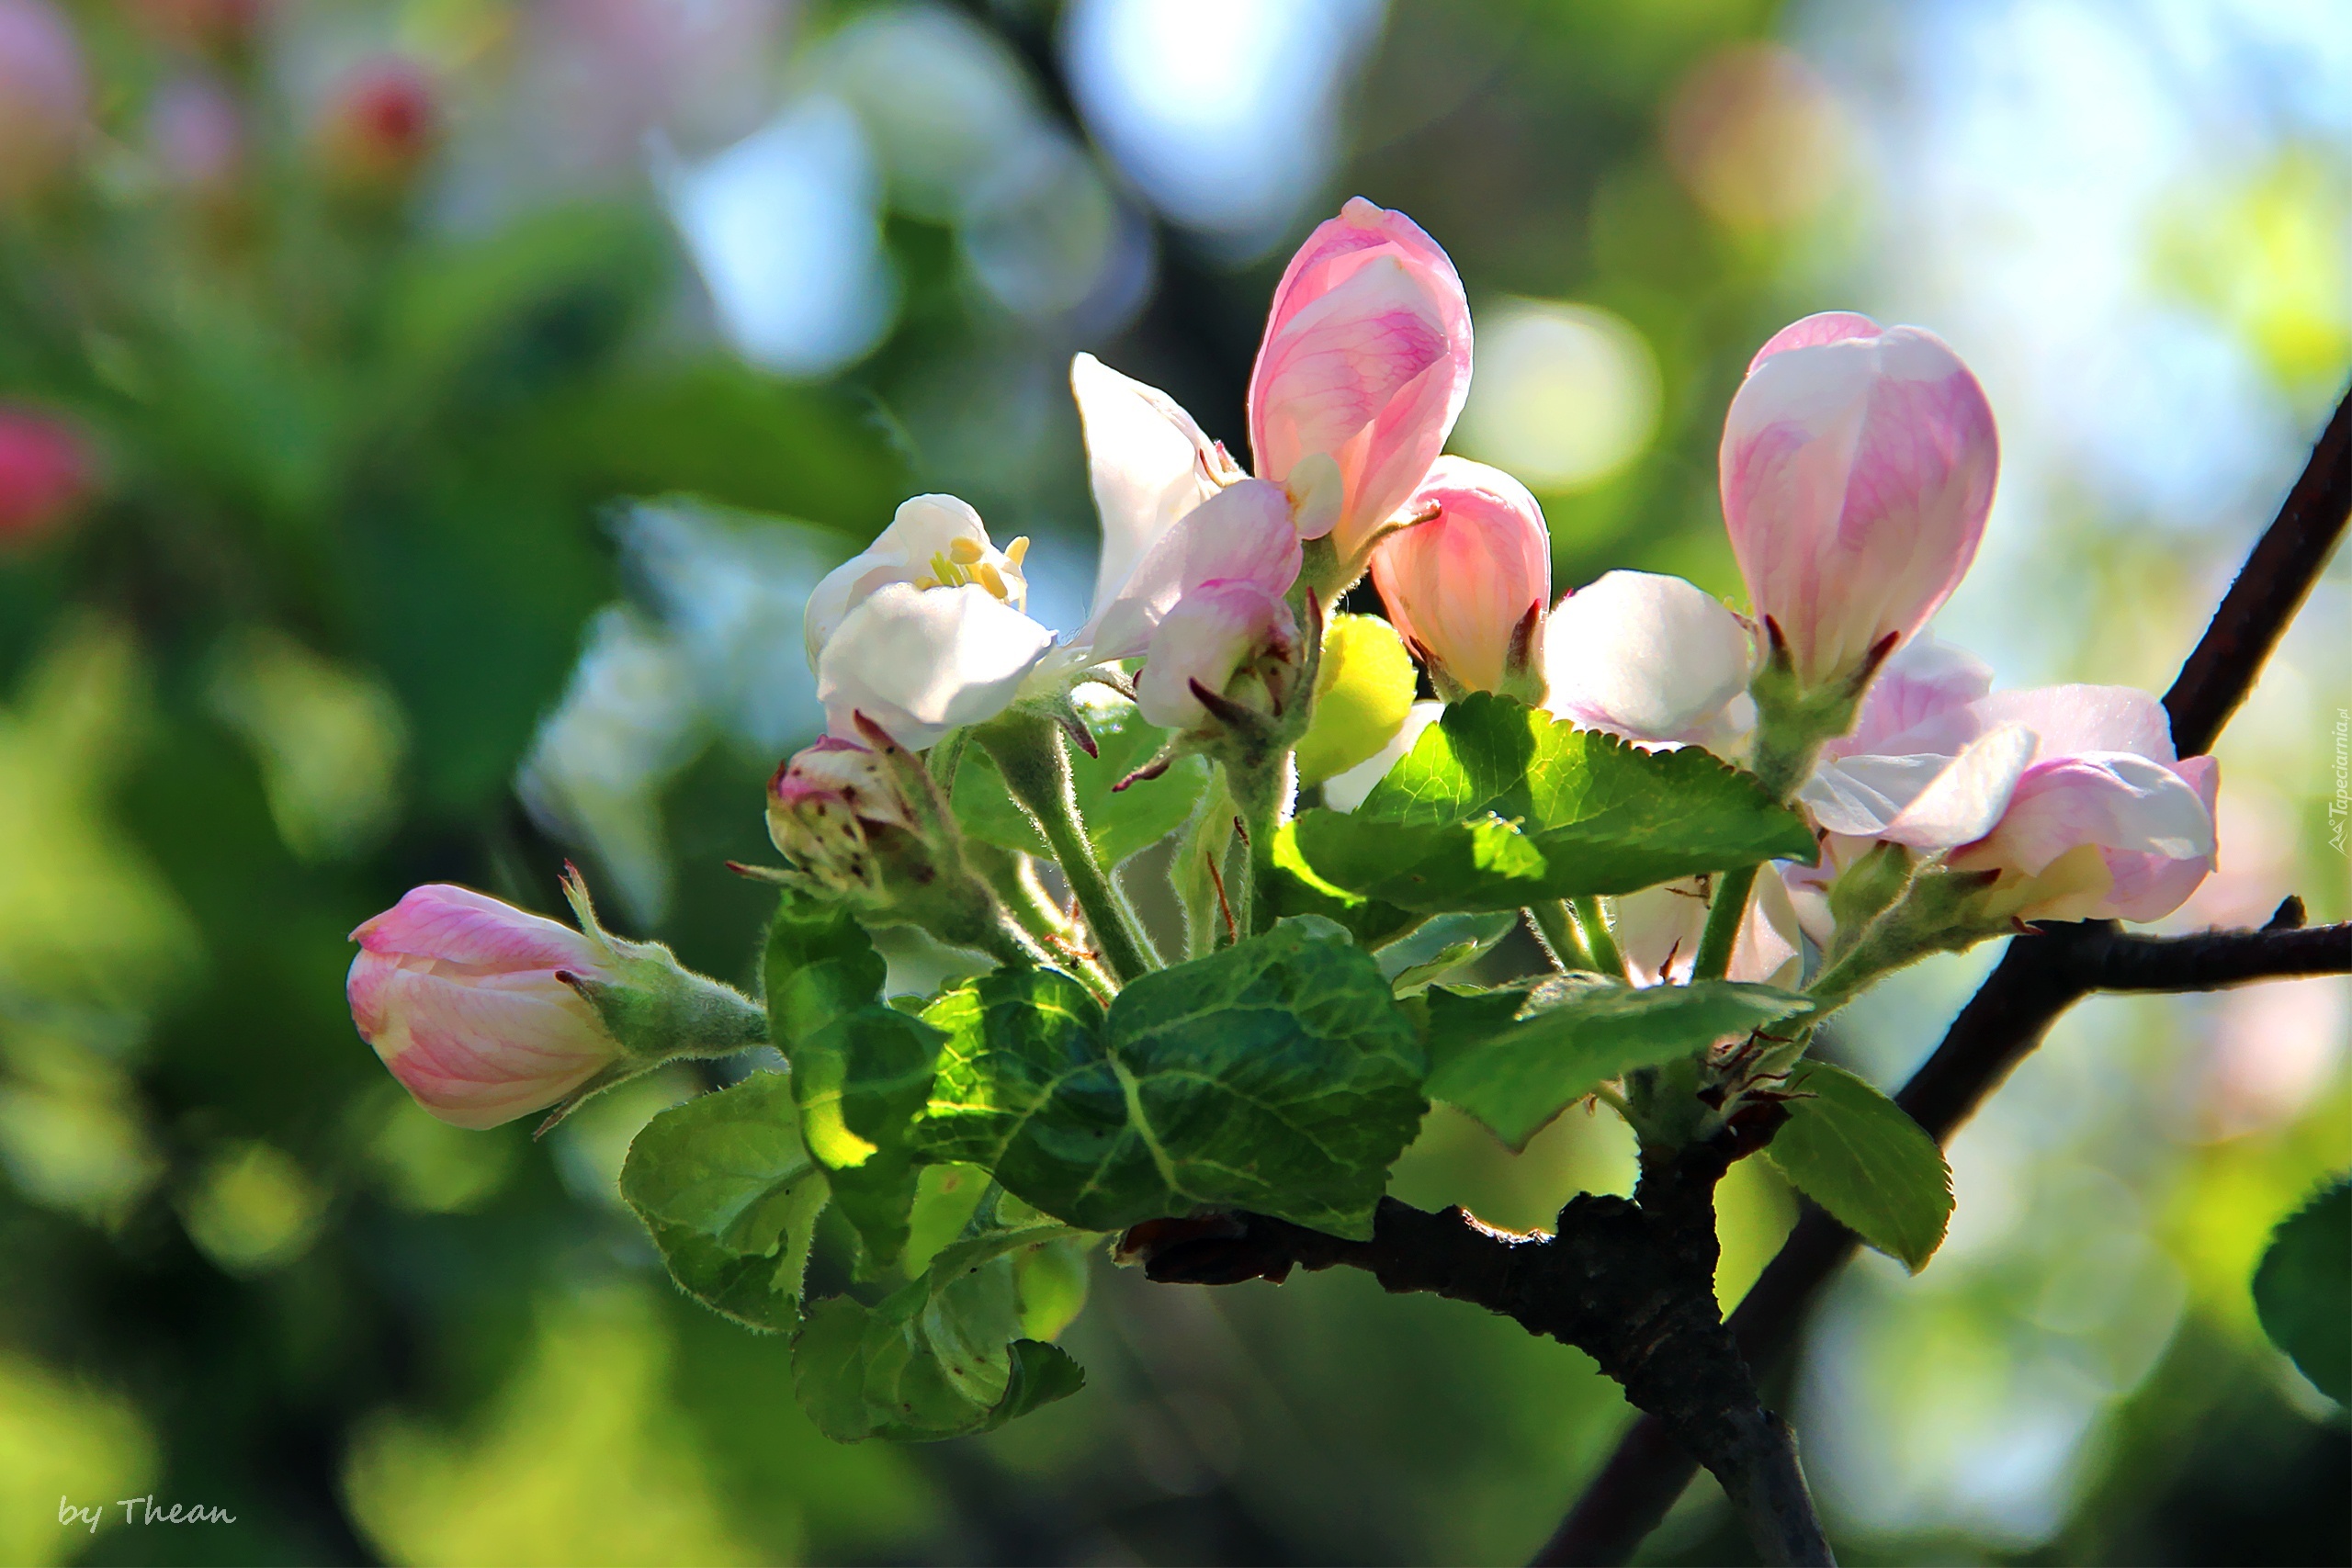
(467, 1000)
(1363, 367)
(1461, 584)
(1857, 466)
(46, 474)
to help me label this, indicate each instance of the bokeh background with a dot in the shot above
(424, 421)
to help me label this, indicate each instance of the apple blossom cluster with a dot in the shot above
(1720, 826)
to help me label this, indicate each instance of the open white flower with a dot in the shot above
(928, 629)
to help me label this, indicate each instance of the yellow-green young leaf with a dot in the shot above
(2302, 1291)
(1859, 1156)
(1118, 822)
(1498, 806)
(1515, 1058)
(1362, 692)
(947, 1354)
(731, 1198)
(1275, 1074)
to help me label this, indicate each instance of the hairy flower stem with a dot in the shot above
(1030, 752)
(1593, 921)
(1031, 908)
(1262, 795)
(1714, 958)
(1557, 929)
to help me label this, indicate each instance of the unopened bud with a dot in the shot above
(867, 825)
(1856, 468)
(46, 474)
(1467, 584)
(486, 1012)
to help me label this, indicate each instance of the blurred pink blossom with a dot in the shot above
(44, 94)
(46, 473)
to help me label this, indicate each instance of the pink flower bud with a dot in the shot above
(44, 94)
(46, 473)
(379, 121)
(464, 999)
(1218, 636)
(1856, 468)
(1365, 365)
(1467, 587)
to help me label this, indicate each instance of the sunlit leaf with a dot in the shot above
(945, 1355)
(1498, 804)
(732, 1197)
(1515, 1058)
(1859, 1156)
(1277, 1075)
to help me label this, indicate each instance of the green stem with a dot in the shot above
(1714, 960)
(1594, 923)
(1030, 753)
(1033, 910)
(947, 756)
(1558, 930)
(1262, 796)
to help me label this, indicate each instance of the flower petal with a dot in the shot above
(1148, 462)
(1242, 533)
(463, 928)
(924, 527)
(921, 662)
(1645, 656)
(1212, 631)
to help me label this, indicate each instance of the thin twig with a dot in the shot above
(2036, 981)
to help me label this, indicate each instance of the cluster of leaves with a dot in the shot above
(974, 1142)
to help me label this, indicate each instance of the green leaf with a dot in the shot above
(861, 1081)
(2302, 1289)
(820, 965)
(731, 1198)
(1515, 1058)
(1276, 1075)
(1297, 890)
(1859, 1156)
(1437, 947)
(944, 1355)
(1500, 804)
(1117, 823)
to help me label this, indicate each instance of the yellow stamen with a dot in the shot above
(990, 579)
(964, 552)
(1018, 548)
(945, 570)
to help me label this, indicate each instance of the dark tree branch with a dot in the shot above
(2270, 589)
(1630, 1281)
(2034, 983)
